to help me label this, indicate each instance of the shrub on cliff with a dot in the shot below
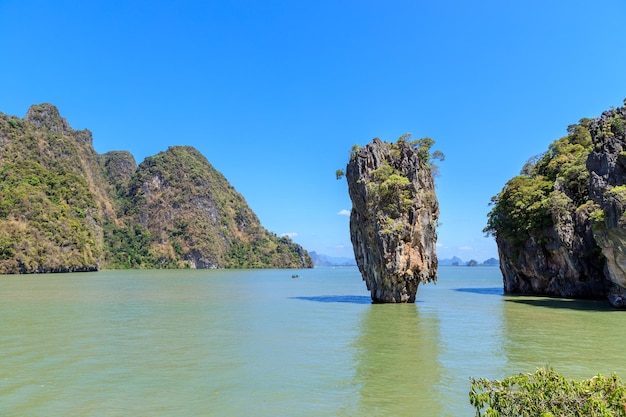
(548, 185)
(549, 394)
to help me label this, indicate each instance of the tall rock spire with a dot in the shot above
(394, 218)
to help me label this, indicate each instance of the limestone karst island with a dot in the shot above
(560, 225)
(394, 217)
(64, 207)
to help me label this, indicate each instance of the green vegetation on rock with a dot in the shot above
(196, 218)
(63, 207)
(548, 186)
(560, 225)
(48, 210)
(391, 192)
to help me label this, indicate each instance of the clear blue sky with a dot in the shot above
(275, 93)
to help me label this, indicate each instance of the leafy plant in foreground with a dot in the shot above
(546, 393)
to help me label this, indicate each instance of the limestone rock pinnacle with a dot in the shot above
(393, 219)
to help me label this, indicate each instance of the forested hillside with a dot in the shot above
(64, 207)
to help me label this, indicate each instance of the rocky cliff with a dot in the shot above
(559, 225)
(197, 219)
(394, 218)
(607, 188)
(52, 200)
(63, 207)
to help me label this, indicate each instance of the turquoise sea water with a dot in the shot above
(259, 343)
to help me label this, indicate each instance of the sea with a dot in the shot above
(281, 343)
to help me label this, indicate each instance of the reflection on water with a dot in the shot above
(577, 338)
(469, 309)
(581, 305)
(396, 362)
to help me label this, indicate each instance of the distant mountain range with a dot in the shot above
(456, 261)
(325, 260)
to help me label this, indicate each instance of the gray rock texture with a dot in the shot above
(393, 219)
(607, 166)
(561, 261)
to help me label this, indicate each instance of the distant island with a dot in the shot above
(326, 260)
(66, 208)
(456, 261)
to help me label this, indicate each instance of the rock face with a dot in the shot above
(607, 188)
(560, 226)
(560, 261)
(393, 219)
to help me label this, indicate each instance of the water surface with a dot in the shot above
(259, 343)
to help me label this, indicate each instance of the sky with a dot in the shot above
(275, 93)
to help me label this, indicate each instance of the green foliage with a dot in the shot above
(423, 147)
(48, 215)
(355, 148)
(617, 124)
(521, 209)
(383, 172)
(559, 205)
(392, 192)
(270, 252)
(397, 191)
(547, 393)
(127, 247)
(598, 216)
(549, 186)
(619, 191)
(392, 226)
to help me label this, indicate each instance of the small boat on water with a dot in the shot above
(295, 276)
